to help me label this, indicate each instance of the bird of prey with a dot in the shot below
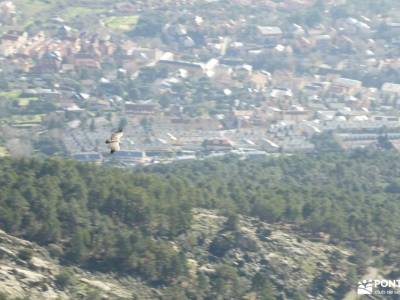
(113, 142)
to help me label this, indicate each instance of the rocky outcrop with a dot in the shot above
(293, 262)
(35, 277)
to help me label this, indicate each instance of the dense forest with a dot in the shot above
(111, 219)
(354, 197)
(101, 218)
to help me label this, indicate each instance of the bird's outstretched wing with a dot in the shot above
(114, 146)
(116, 137)
(114, 141)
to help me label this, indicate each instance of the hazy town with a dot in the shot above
(207, 81)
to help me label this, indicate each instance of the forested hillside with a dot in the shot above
(110, 219)
(105, 219)
(349, 195)
(354, 197)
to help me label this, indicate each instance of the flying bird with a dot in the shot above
(114, 141)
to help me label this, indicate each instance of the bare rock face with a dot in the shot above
(36, 276)
(18, 276)
(292, 261)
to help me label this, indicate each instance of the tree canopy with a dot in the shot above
(110, 219)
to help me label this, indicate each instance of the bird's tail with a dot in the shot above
(108, 141)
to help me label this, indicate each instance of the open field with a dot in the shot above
(26, 101)
(11, 95)
(14, 95)
(32, 11)
(3, 151)
(123, 23)
(24, 120)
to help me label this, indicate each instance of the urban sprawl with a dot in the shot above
(194, 79)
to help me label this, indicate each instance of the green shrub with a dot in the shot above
(64, 279)
(25, 254)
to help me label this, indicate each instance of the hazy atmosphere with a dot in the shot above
(199, 150)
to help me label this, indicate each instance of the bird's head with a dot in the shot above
(120, 129)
